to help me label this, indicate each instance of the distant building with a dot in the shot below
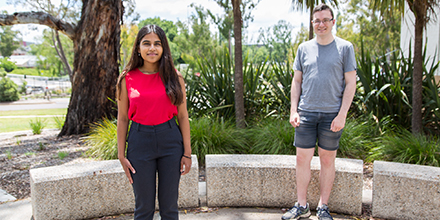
(21, 56)
(26, 61)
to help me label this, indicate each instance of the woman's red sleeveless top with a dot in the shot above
(148, 102)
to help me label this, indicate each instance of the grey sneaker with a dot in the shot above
(323, 213)
(297, 212)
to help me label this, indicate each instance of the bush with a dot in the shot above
(7, 65)
(8, 90)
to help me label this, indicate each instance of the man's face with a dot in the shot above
(323, 23)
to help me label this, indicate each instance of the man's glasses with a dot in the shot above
(325, 21)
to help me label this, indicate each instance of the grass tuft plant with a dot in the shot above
(210, 136)
(62, 154)
(272, 137)
(59, 121)
(30, 154)
(404, 147)
(8, 154)
(102, 140)
(41, 146)
(37, 125)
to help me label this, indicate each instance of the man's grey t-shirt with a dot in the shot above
(323, 68)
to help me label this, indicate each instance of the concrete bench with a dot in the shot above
(93, 189)
(405, 191)
(269, 181)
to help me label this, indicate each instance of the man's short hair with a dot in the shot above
(322, 7)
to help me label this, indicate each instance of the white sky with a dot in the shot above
(266, 14)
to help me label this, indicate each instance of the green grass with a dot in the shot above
(22, 124)
(54, 111)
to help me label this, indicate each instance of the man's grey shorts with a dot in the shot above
(316, 126)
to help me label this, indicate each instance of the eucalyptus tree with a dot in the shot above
(304, 5)
(424, 11)
(96, 38)
(48, 56)
(68, 11)
(194, 38)
(357, 23)
(278, 40)
(225, 21)
(9, 41)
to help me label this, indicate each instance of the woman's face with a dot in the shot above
(151, 49)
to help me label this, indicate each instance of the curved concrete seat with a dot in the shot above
(93, 189)
(269, 181)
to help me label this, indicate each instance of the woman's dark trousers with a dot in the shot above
(154, 149)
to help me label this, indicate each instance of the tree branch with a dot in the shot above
(42, 18)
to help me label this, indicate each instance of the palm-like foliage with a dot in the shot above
(281, 82)
(422, 9)
(212, 91)
(309, 5)
(385, 89)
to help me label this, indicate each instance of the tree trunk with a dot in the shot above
(311, 24)
(238, 76)
(96, 48)
(416, 120)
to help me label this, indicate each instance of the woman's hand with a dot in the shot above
(126, 165)
(185, 165)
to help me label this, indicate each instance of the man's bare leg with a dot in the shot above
(327, 174)
(303, 173)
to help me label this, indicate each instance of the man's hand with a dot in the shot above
(294, 119)
(338, 123)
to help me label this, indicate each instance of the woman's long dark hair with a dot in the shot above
(167, 72)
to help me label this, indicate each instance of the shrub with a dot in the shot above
(102, 140)
(37, 125)
(6, 64)
(8, 90)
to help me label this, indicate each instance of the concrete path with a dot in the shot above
(18, 210)
(22, 210)
(35, 104)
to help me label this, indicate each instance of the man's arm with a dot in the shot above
(295, 93)
(347, 98)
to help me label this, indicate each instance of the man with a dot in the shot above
(323, 87)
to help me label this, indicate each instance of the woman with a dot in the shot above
(150, 93)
